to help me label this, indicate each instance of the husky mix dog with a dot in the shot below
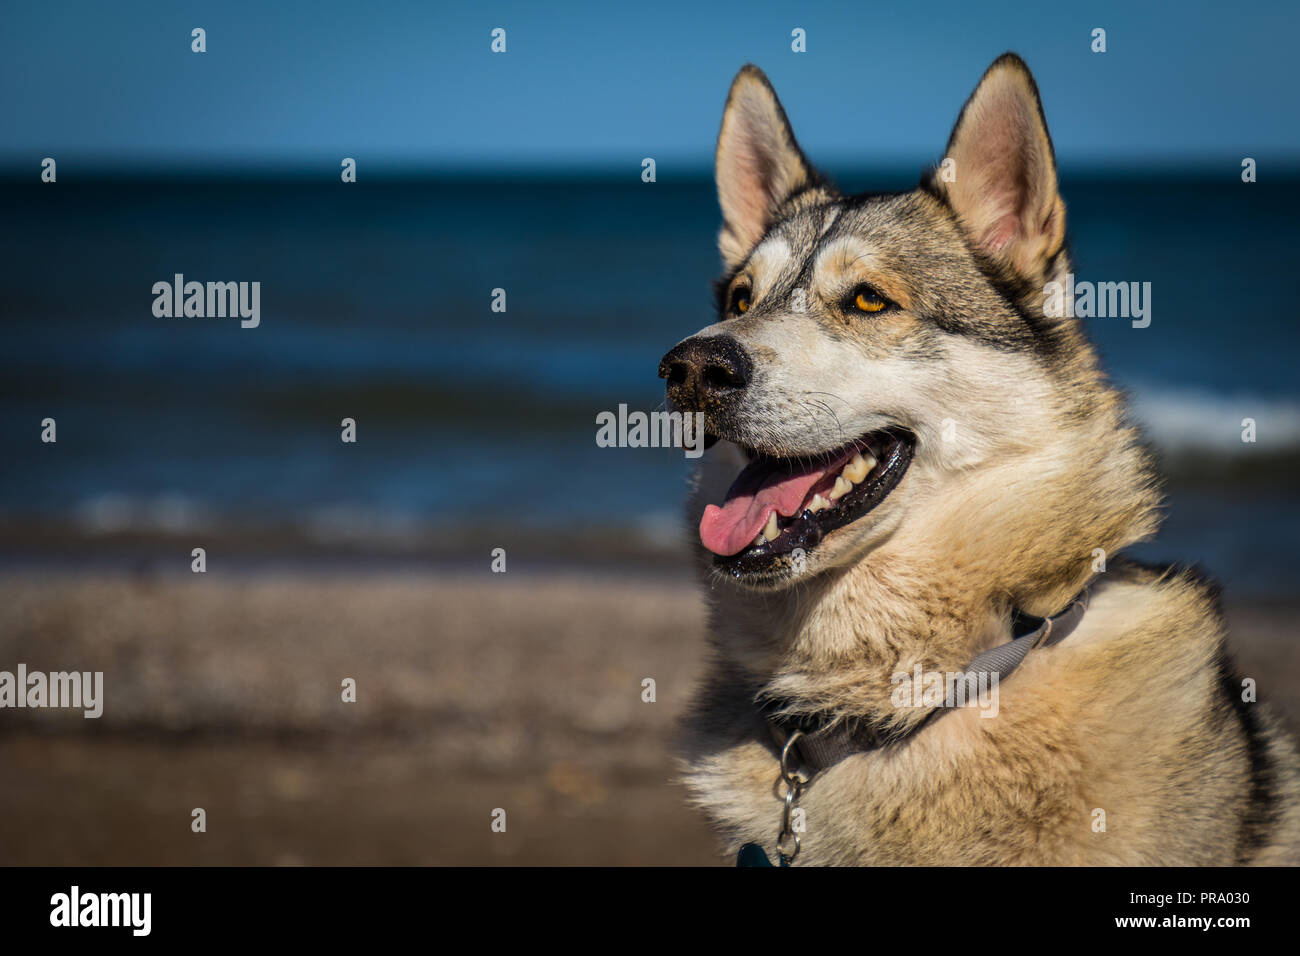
(918, 482)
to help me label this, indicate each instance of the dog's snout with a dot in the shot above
(705, 371)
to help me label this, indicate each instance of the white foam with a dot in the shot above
(113, 512)
(1180, 420)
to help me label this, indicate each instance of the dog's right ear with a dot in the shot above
(1003, 183)
(759, 164)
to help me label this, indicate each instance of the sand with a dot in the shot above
(473, 693)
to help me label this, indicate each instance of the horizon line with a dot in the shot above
(13, 171)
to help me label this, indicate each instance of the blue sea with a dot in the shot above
(376, 305)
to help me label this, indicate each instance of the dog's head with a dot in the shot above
(882, 364)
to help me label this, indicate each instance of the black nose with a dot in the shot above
(704, 372)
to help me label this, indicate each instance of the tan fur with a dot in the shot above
(1134, 713)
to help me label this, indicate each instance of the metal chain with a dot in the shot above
(794, 785)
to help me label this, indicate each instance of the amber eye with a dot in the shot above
(868, 300)
(740, 301)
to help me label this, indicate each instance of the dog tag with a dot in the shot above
(751, 854)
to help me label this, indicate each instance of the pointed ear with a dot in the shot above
(1003, 172)
(759, 164)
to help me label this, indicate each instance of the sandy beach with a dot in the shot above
(472, 695)
(474, 692)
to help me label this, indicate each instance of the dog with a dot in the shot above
(928, 647)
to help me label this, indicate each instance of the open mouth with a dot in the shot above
(776, 505)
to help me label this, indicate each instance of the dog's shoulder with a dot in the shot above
(1153, 637)
(1152, 660)
(1168, 612)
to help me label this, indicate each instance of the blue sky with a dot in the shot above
(590, 84)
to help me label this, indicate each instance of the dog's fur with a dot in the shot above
(1026, 475)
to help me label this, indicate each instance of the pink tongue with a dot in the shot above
(756, 493)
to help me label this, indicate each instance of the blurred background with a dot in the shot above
(475, 429)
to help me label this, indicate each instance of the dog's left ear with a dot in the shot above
(759, 164)
(999, 174)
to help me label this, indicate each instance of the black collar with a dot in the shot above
(824, 741)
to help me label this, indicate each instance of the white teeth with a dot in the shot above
(859, 467)
(817, 504)
(769, 532)
(842, 487)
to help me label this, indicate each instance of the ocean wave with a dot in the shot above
(114, 513)
(1186, 420)
(1196, 433)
